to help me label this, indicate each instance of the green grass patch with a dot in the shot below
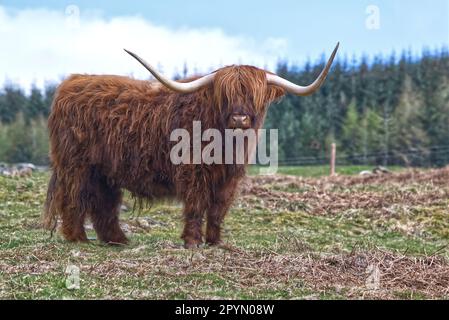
(318, 171)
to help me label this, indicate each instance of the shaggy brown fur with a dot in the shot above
(110, 133)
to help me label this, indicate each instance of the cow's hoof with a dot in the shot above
(192, 245)
(78, 238)
(120, 241)
(116, 244)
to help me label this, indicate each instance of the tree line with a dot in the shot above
(383, 111)
(23, 123)
(391, 110)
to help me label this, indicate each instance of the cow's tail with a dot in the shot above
(50, 214)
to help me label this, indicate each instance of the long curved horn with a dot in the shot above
(303, 91)
(187, 87)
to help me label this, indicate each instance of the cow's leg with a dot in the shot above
(70, 202)
(72, 227)
(217, 213)
(193, 222)
(105, 210)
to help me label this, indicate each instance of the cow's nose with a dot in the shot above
(239, 118)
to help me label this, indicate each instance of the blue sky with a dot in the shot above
(307, 24)
(297, 29)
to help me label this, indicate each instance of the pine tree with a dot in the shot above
(12, 102)
(352, 135)
(35, 105)
(410, 141)
(372, 137)
(49, 93)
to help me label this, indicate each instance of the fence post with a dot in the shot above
(333, 157)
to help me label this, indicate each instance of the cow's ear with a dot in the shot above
(274, 93)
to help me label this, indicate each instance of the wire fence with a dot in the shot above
(423, 157)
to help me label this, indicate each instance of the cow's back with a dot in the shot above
(110, 122)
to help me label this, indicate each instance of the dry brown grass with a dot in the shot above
(333, 195)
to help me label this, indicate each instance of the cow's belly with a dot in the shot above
(151, 189)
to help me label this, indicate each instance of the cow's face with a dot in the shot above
(242, 95)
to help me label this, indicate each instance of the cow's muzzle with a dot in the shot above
(238, 121)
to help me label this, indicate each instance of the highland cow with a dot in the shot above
(109, 133)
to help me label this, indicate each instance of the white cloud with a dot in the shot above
(40, 44)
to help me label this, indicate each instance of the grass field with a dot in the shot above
(288, 238)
